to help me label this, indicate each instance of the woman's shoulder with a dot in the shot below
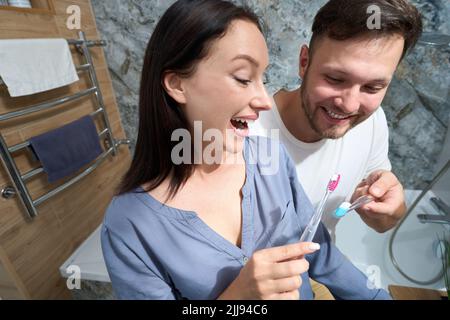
(120, 204)
(138, 207)
(128, 208)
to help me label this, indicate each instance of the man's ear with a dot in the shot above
(173, 85)
(303, 61)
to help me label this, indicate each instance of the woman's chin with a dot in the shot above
(233, 152)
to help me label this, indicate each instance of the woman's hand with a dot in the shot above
(272, 274)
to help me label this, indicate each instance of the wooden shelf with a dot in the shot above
(38, 7)
(409, 293)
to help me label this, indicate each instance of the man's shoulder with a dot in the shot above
(375, 124)
(379, 117)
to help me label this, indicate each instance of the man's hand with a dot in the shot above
(389, 205)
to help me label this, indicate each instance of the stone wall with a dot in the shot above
(417, 104)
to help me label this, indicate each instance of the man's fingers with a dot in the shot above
(381, 207)
(362, 183)
(287, 252)
(374, 176)
(383, 182)
(374, 211)
(378, 188)
(359, 191)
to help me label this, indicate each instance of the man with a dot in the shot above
(334, 123)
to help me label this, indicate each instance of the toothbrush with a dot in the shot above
(310, 230)
(346, 207)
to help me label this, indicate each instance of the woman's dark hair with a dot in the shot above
(345, 19)
(180, 40)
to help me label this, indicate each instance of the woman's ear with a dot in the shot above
(303, 61)
(173, 85)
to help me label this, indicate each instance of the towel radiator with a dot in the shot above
(18, 179)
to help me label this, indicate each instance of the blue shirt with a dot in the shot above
(153, 251)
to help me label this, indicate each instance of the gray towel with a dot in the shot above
(65, 150)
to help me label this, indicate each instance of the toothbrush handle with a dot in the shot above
(310, 230)
(360, 202)
(308, 234)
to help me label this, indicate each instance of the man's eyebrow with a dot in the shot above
(383, 81)
(248, 58)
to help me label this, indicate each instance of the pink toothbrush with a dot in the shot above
(310, 230)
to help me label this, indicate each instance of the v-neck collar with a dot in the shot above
(191, 217)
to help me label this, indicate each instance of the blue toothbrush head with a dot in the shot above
(342, 209)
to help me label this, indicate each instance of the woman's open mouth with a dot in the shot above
(240, 126)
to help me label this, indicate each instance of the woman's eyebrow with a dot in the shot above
(248, 58)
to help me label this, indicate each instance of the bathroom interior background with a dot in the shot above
(417, 104)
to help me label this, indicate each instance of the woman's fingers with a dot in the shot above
(290, 251)
(287, 284)
(290, 295)
(289, 268)
(274, 271)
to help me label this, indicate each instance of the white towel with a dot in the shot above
(29, 66)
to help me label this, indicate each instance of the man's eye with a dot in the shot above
(242, 81)
(370, 89)
(333, 80)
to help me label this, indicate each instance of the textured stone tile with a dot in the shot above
(417, 104)
(94, 290)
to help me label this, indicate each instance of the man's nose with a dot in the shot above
(348, 101)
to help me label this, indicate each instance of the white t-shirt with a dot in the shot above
(354, 156)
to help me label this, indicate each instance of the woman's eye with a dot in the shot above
(242, 81)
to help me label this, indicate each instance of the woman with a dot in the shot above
(202, 222)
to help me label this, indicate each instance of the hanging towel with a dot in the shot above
(65, 150)
(29, 66)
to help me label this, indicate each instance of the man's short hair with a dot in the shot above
(345, 19)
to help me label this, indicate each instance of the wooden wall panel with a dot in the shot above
(11, 286)
(32, 250)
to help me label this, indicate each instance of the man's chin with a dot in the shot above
(334, 133)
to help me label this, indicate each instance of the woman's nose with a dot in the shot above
(262, 100)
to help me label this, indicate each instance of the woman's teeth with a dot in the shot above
(240, 123)
(335, 115)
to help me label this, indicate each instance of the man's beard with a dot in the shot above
(329, 133)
